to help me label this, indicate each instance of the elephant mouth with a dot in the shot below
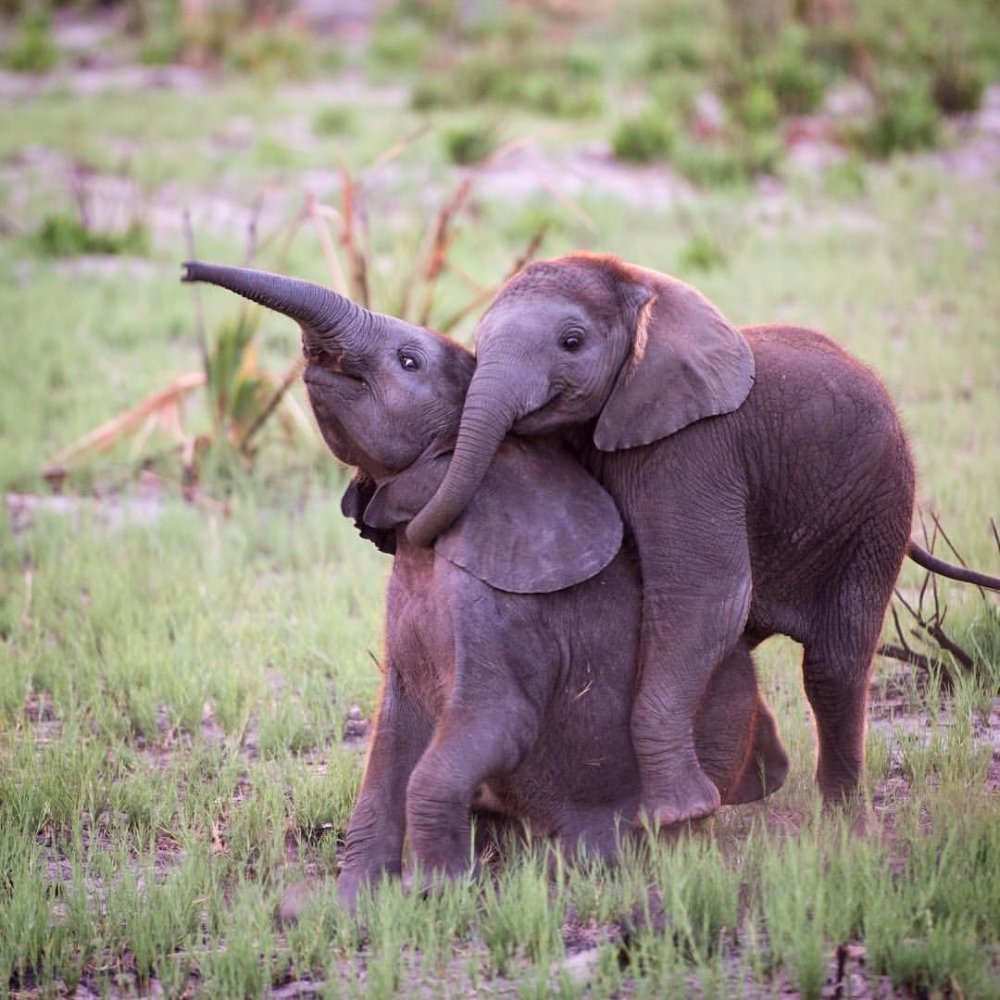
(537, 421)
(325, 370)
(318, 377)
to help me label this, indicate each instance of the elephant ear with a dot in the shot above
(398, 499)
(687, 363)
(537, 523)
(353, 503)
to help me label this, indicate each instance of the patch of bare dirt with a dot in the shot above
(590, 169)
(976, 150)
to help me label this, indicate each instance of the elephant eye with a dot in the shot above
(408, 362)
(571, 341)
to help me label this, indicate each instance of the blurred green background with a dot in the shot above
(190, 630)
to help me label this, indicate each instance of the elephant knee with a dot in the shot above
(438, 818)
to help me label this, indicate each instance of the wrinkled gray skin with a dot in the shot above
(511, 646)
(763, 471)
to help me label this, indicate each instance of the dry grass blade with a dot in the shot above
(432, 259)
(396, 149)
(438, 244)
(485, 294)
(283, 235)
(284, 384)
(357, 252)
(938, 529)
(571, 206)
(321, 216)
(117, 428)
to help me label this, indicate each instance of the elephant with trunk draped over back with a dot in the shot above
(763, 471)
(511, 646)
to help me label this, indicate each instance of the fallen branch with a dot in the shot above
(907, 655)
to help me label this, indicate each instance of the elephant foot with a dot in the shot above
(299, 896)
(433, 881)
(693, 799)
(767, 767)
(295, 902)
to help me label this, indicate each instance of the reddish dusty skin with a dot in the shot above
(511, 646)
(763, 473)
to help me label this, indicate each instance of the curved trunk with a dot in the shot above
(321, 312)
(489, 413)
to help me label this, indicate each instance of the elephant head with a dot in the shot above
(388, 397)
(384, 392)
(589, 340)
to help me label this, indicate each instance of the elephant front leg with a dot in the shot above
(468, 747)
(687, 631)
(374, 842)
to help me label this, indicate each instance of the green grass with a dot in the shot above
(174, 688)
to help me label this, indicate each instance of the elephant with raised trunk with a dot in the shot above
(511, 646)
(763, 472)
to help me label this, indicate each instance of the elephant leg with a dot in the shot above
(695, 604)
(595, 833)
(766, 767)
(469, 745)
(836, 678)
(735, 734)
(375, 831)
(677, 661)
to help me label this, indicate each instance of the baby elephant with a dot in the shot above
(510, 646)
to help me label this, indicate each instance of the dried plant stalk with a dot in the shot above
(114, 430)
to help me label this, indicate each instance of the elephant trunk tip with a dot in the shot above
(190, 270)
(421, 532)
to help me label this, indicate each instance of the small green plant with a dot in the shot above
(846, 180)
(519, 918)
(32, 50)
(759, 108)
(160, 28)
(702, 253)
(727, 160)
(648, 136)
(336, 119)
(957, 85)
(670, 51)
(66, 235)
(399, 44)
(431, 92)
(528, 76)
(469, 144)
(797, 81)
(906, 119)
(272, 53)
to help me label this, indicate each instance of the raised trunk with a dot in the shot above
(489, 413)
(323, 314)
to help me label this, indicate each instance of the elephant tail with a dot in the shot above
(930, 562)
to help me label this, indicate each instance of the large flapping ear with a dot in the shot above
(687, 362)
(356, 498)
(397, 500)
(538, 522)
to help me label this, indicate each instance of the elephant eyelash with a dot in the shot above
(409, 362)
(571, 342)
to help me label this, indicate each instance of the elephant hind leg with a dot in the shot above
(766, 767)
(836, 678)
(735, 734)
